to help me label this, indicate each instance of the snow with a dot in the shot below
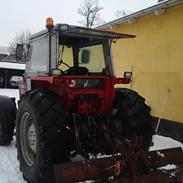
(10, 93)
(160, 154)
(161, 142)
(9, 166)
(9, 65)
(168, 167)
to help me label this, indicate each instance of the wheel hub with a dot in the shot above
(32, 138)
(28, 138)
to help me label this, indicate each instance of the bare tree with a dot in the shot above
(122, 13)
(89, 9)
(20, 38)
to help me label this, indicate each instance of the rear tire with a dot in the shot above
(133, 116)
(42, 137)
(7, 120)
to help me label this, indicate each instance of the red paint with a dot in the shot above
(101, 103)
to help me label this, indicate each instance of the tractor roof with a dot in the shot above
(76, 31)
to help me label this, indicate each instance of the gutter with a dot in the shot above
(156, 9)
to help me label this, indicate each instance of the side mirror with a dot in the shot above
(21, 52)
(85, 56)
(128, 75)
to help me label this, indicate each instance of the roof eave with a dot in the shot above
(162, 5)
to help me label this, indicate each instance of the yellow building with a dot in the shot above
(155, 57)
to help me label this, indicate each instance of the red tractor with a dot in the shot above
(69, 106)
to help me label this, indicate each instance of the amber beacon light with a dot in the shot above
(49, 24)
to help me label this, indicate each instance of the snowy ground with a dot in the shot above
(10, 93)
(9, 166)
(161, 142)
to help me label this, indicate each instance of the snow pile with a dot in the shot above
(168, 167)
(161, 142)
(9, 167)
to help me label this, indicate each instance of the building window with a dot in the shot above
(1, 81)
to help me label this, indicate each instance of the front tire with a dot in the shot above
(41, 135)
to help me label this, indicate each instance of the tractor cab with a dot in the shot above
(71, 50)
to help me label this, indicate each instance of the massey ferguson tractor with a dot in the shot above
(72, 123)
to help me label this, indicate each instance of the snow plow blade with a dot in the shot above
(144, 167)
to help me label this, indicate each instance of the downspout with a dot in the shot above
(162, 111)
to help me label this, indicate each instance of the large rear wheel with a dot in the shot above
(7, 120)
(132, 116)
(42, 136)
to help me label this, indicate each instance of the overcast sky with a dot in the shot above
(18, 15)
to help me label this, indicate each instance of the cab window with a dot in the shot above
(96, 62)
